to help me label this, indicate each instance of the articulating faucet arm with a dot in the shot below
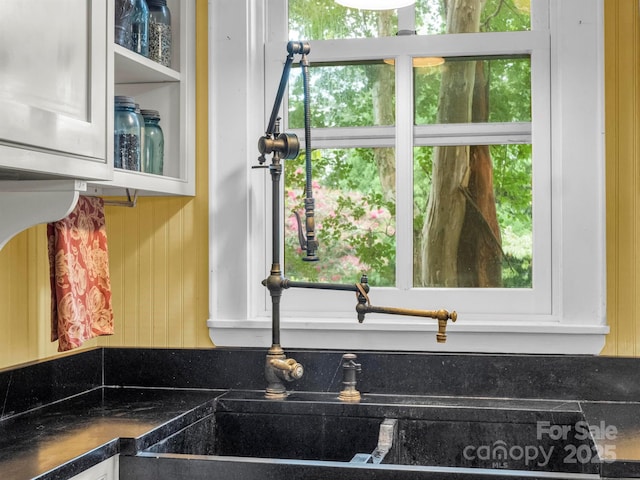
(293, 48)
(364, 306)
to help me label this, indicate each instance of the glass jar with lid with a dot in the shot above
(126, 134)
(124, 10)
(159, 32)
(153, 156)
(140, 28)
(141, 122)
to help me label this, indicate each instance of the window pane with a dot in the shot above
(354, 216)
(495, 246)
(326, 20)
(496, 16)
(444, 93)
(361, 94)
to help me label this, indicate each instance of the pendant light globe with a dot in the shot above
(375, 4)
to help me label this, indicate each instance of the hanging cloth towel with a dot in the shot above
(79, 270)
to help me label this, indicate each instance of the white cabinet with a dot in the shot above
(171, 91)
(53, 90)
(106, 470)
(54, 87)
(59, 72)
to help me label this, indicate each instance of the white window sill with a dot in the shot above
(477, 335)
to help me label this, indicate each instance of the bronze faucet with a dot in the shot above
(282, 146)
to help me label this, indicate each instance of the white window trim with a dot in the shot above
(471, 302)
(575, 322)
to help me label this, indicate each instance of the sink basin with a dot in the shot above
(394, 437)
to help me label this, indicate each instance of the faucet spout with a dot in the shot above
(442, 316)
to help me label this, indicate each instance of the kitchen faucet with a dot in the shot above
(284, 146)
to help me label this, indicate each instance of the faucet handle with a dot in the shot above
(292, 369)
(350, 369)
(297, 370)
(349, 360)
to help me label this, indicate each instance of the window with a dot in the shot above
(384, 128)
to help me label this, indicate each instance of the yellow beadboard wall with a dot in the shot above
(622, 127)
(158, 254)
(158, 250)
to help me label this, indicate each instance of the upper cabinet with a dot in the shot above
(59, 72)
(169, 90)
(53, 90)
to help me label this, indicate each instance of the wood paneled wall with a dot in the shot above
(622, 129)
(159, 265)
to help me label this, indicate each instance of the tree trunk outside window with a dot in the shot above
(384, 114)
(460, 235)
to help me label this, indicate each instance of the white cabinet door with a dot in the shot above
(107, 470)
(53, 89)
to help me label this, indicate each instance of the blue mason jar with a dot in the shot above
(141, 122)
(140, 28)
(153, 156)
(124, 10)
(126, 134)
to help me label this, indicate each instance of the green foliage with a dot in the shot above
(355, 224)
(341, 95)
(355, 219)
(325, 19)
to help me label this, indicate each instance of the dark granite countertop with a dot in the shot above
(59, 417)
(67, 437)
(615, 428)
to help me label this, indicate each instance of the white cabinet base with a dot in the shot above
(107, 470)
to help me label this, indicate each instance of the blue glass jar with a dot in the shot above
(153, 156)
(140, 28)
(159, 32)
(126, 134)
(141, 122)
(124, 10)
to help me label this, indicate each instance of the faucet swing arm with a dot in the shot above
(293, 48)
(287, 146)
(364, 305)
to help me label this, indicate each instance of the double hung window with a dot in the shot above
(457, 162)
(423, 139)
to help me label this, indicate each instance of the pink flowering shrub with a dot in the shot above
(355, 230)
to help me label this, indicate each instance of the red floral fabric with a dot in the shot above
(79, 270)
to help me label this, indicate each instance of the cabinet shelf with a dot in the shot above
(143, 183)
(130, 67)
(170, 91)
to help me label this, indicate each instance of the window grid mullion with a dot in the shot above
(404, 172)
